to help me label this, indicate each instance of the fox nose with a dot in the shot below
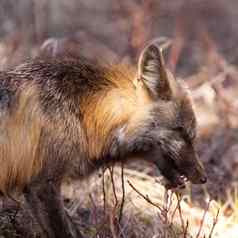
(203, 180)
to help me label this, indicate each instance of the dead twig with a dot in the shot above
(170, 200)
(173, 213)
(104, 191)
(145, 197)
(165, 207)
(186, 229)
(113, 222)
(113, 218)
(94, 210)
(111, 170)
(179, 198)
(203, 219)
(123, 192)
(214, 223)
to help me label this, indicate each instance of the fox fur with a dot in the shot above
(56, 111)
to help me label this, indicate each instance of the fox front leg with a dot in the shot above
(43, 194)
(44, 200)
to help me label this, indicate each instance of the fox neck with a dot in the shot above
(113, 110)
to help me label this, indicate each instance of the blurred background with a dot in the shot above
(204, 53)
(199, 28)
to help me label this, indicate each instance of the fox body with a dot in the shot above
(53, 112)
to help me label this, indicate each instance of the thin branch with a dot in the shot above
(165, 207)
(170, 200)
(111, 170)
(112, 215)
(145, 197)
(186, 230)
(214, 223)
(123, 192)
(112, 223)
(173, 214)
(104, 191)
(95, 208)
(203, 219)
(180, 212)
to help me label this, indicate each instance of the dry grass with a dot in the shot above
(149, 211)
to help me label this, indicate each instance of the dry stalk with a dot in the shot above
(203, 219)
(123, 192)
(145, 197)
(94, 208)
(112, 214)
(165, 207)
(104, 191)
(174, 212)
(186, 230)
(170, 200)
(214, 223)
(111, 170)
(113, 221)
(179, 198)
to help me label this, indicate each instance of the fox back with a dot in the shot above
(56, 111)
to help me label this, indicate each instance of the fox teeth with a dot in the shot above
(184, 178)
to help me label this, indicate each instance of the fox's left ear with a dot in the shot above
(152, 71)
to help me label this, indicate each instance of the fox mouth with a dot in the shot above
(175, 178)
(179, 182)
(184, 178)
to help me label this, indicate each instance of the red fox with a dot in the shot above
(55, 111)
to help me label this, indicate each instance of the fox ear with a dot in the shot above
(152, 71)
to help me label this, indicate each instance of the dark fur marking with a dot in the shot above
(5, 101)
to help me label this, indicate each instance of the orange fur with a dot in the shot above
(112, 108)
(124, 102)
(20, 134)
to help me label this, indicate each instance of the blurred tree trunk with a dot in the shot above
(26, 20)
(42, 19)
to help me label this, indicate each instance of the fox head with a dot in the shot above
(165, 130)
